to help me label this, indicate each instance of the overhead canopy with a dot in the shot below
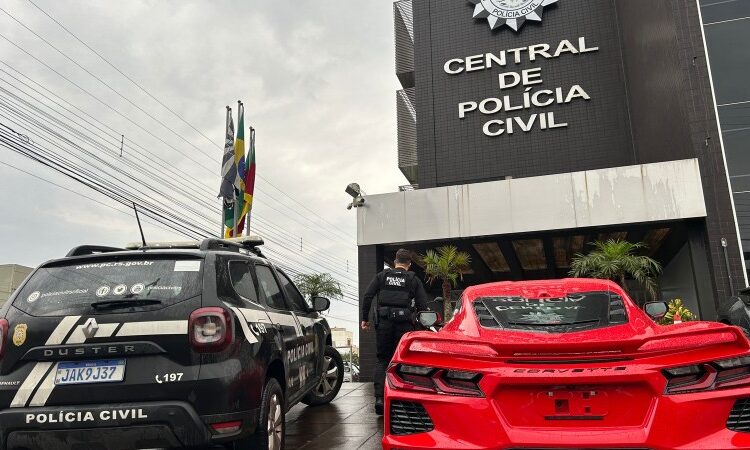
(659, 192)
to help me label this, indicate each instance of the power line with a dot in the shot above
(91, 180)
(119, 197)
(116, 135)
(121, 72)
(155, 206)
(165, 166)
(152, 96)
(158, 225)
(90, 183)
(179, 135)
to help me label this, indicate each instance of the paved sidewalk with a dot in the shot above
(349, 422)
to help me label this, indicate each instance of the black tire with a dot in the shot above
(264, 438)
(330, 381)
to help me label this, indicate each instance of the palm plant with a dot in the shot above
(446, 264)
(615, 260)
(318, 284)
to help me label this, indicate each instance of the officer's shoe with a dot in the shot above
(379, 406)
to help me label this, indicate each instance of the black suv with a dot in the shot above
(160, 346)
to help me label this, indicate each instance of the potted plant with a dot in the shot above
(446, 264)
(616, 260)
(676, 312)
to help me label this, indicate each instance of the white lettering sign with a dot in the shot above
(533, 96)
(86, 416)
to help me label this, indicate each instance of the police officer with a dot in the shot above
(400, 294)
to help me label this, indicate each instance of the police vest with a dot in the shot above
(396, 288)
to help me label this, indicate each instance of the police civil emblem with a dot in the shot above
(509, 12)
(19, 334)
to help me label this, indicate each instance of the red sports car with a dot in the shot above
(567, 364)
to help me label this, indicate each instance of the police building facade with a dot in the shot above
(529, 128)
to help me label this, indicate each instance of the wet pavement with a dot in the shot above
(349, 422)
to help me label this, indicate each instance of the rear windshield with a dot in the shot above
(106, 286)
(571, 313)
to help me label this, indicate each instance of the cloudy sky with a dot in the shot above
(316, 77)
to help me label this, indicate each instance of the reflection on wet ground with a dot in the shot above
(349, 422)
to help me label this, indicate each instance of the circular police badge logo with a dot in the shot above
(120, 289)
(102, 291)
(509, 12)
(34, 296)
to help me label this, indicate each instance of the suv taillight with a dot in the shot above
(210, 330)
(4, 327)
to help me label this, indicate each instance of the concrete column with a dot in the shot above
(702, 273)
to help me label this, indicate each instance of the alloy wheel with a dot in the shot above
(330, 378)
(275, 423)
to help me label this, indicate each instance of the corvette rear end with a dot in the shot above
(567, 364)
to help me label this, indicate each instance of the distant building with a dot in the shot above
(342, 337)
(11, 276)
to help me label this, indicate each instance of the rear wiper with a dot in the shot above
(114, 304)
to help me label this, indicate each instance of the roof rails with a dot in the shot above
(82, 250)
(248, 243)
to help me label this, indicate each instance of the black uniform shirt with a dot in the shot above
(395, 287)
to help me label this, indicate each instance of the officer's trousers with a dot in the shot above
(387, 336)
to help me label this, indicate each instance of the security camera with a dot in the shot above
(357, 196)
(354, 190)
(356, 203)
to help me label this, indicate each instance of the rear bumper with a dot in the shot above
(689, 421)
(114, 427)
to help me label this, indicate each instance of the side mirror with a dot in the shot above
(438, 301)
(320, 304)
(429, 319)
(656, 310)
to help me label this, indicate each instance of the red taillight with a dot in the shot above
(439, 381)
(210, 330)
(226, 427)
(4, 327)
(725, 373)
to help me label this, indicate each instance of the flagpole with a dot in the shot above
(250, 211)
(223, 219)
(223, 211)
(240, 115)
(236, 203)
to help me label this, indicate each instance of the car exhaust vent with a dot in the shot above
(409, 418)
(739, 417)
(486, 319)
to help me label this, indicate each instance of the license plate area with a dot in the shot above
(577, 404)
(614, 405)
(90, 372)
